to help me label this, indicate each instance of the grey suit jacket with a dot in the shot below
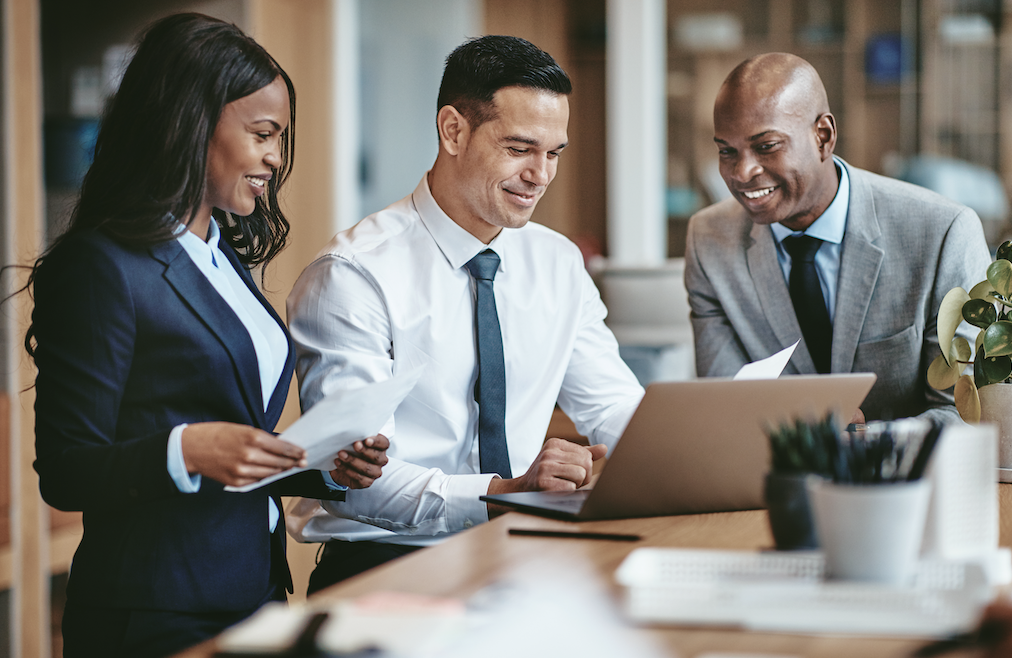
(903, 249)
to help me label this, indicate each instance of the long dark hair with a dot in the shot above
(149, 170)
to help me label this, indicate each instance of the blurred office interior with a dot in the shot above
(922, 90)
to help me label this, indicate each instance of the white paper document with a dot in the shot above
(769, 368)
(338, 420)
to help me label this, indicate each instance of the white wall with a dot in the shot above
(404, 44)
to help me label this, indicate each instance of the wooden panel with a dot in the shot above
(545, 24)
(297, 33)
(23, 228)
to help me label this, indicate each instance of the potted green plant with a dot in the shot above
(797, 450)
(987, 306)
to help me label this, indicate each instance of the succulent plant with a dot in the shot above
(804, 447)
(880, 452)
(988, 306)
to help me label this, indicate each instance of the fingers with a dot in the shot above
(598, 451)
(373, 449)
(562, 466)
(236, 454)
(283, 449)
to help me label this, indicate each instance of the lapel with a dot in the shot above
(774, 297)
(860, 263)
(193, 287)
(280, 395)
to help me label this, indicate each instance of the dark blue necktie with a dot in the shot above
(490, 389)
(809, 304)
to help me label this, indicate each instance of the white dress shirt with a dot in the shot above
(828, 227)
(393, 293)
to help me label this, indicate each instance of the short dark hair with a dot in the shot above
(151, 153)
(479, 67)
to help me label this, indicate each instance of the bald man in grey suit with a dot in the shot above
(885, 255)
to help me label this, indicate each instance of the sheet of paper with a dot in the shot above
(768, 368)
(338, 420)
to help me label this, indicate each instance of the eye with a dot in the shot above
(264, 135)
(766, 146)
(726, 152)
(516, 151)
(554, 154)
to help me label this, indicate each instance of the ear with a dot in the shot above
(453, 128)
(825, 135)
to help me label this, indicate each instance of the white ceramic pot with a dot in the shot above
(870, 532)
(996, 407)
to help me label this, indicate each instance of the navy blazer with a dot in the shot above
(131, 343)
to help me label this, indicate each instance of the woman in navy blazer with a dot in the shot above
(161, 368)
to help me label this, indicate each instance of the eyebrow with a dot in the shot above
(277, 126)
(530, 141)
(750, 139)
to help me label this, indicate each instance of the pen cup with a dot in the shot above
(870, 532)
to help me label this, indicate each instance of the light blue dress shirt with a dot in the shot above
(829, 227)
(269, 341)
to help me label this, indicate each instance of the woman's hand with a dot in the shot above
(237, 455)
(358, 469)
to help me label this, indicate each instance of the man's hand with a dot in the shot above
(560, 466)
(359, 469)
(858, 417)
(235, 454)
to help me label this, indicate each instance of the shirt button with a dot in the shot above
(468, 523)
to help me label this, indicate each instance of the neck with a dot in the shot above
(441, 185)
(200, 223)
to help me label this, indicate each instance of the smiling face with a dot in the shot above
(245, 150)
(492, 177)
(775, 149)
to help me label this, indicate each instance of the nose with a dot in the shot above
(745, 167)
(540, 171)
(272, 157)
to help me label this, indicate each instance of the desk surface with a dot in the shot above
(475, 558)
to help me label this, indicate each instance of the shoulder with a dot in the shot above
(390, 226)
(88, 254)
(895, 196)
(720, 227)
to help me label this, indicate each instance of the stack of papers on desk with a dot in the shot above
(787, 592)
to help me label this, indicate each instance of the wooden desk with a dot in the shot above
(475, 558)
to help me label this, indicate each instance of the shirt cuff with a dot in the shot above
(463, 509)
(185, 482)
(329, 481)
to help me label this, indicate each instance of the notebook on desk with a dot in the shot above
(697, 446)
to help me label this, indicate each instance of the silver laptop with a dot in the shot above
(697, 446)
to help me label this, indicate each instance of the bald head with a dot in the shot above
(775, 136)
(785, 81)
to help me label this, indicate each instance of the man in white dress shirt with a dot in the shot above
(396, 292)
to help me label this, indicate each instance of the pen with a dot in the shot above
(565, 534)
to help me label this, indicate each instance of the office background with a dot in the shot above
(921, 89)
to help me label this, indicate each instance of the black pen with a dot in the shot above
(566, 534)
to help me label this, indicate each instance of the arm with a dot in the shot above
(962, 261)
(83, 367)
(599, 392)
(719, 352)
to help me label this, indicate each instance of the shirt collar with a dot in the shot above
(831, 225)
(456, 243)
(205, 252)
